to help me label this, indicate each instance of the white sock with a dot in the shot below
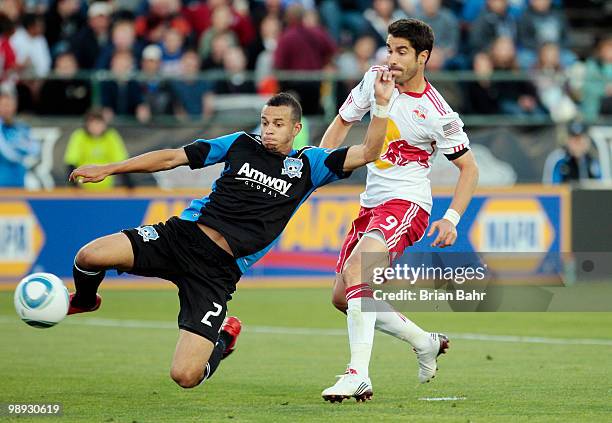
(393, 323)
(360, 326)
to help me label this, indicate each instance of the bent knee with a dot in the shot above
(186, 378)
(88, 258)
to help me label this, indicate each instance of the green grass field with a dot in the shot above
(112, 366)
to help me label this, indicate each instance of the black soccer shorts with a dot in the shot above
(205, 274)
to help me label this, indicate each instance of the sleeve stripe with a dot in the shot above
(436, 104)
(457, 154)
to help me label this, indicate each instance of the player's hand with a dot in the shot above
(447, 233)
(90, 173)
(383, 87)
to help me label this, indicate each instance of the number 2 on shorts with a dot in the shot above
(391, 223)
(212, 313)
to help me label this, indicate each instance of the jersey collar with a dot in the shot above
(417, 95)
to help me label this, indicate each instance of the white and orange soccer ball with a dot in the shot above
(41, 300)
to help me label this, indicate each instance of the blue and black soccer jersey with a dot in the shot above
(258, 191)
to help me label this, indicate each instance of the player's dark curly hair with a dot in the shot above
(286, 99)
(419, 34)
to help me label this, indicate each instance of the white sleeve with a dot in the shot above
(449, 135)
(357, 104)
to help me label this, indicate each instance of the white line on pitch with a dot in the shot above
(443, 399)
(280, 330)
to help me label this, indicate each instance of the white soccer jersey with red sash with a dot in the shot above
(420, 125)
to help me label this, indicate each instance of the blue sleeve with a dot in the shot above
(595, 169)
(201, 153)
(326, 165)
(557, 178)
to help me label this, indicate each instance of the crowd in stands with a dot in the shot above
(179, 39)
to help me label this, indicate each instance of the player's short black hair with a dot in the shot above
(420, 35)
(286, 99)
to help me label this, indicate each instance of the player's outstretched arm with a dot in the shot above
(464, 190)
(369, 151)
(153, 161)
(336, 133)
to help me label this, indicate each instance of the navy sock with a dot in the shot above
(217, 354)
(86, 283)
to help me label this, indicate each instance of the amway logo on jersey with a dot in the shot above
(256, 179)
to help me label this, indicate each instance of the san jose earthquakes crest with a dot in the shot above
(292, 167)
(148, 233)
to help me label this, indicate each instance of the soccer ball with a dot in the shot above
(41, 300)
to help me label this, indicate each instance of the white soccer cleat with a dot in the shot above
(428, 357)
(350, 384)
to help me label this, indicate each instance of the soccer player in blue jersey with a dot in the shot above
(216, 239)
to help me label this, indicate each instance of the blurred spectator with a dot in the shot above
(89, 41)
(193, 96)
(68, 95)
(33, 59)
(13, 9)
(31, 47)
(62, 22)
(172, 50)
(518, 97)
(597, 88)
(156, 92)
(234, 64)
(379, 17)
(201, 16)
(551, 89)
(123, 38)
(472, 9)
(198, 14)
(444, 25)
(266, 8)
(18, 150)
(574, 161)
(162, 14)
(344, 15)
(541, 24)
(352, 64)
(262, 52)
(122, 95)
(8, 60)
(96, 144)
(220, 43)
(303, 48)
(494, 22)
(481, 95)
(409, 7)
(221, 24)
(357, 62)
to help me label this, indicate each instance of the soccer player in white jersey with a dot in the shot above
(397, 202)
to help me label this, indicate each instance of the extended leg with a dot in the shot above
(90, 265)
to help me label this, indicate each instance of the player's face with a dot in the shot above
(278, 128)
(402, 59)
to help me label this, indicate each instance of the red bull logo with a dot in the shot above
(401, 152)
(419, 114)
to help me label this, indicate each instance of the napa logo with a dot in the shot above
(512, 225)
(21, 239)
